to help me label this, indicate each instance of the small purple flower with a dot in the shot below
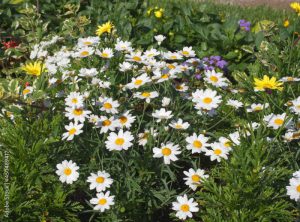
(215, 58)
(245, 25)
(198, 76)
(221, 64)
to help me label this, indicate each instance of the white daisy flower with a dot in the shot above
(235, 137)
(165, 101)
(126, 120)
(77, 113)
(159, 39)
(194, 178)
(296, 105)
(160, 76)
(151, 53)
(181, 87)
(197, 144)
(168, 151)
(123, 46)
(107, 124)
(215, 78)
(188, 52)
(162, 114)
(135, 57)
(88, 72)
(293, 190)
(100, 181)
(120, 141)
(89, 41)
(179, 124)
(218, 151)
(125, 66)
(185, 207)
(74, 99)
(103, 201)
(94, 119)
(138, 81)
(72, 130)
(67, 171)
(206, 99)
(275, 121)
(144, 137)
(289, 79)
(28, 90)
(146, 95)
(172, 55)
(84, 52)
(234, 103)
(109, 105)
(255, 107)
(226, 143)
(106, 53)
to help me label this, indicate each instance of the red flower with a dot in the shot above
(10, 44)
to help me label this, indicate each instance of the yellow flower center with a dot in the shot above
(72, 131)
(173, 57)
(107, 105)
(195, 178)
(74, 100)
(106, 122)
(278, 121)
(26, 91)
(165, 76)
(137, 58)
(166, 151)
(214, 79)
(138, 82)
(258, 108)
(67, 171)
(178, 126)
(290, 79)
(207, 100)
(217, 151)
(227, 144)
(146, 94)
(185, 53)
(179, 87)
(170, 66)
(105, 55)
(87, 43)
(102, 201)
(197, 144)
(77, 112)
(185, 208)
(100, 179)
(84, 53)
(119, 141)
(123, 119)
(298, 188)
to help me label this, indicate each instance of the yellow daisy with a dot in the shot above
(296, 7)
(106, 27)
(267, 83)
(34, 69)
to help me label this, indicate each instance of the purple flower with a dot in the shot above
(245, 25)
(221, 64)
(215, 58)
(198, 76)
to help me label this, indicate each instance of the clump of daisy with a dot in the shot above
(293, 190)
(67, 171)
(103, 201)
(194, 178)
(168, 151)
(100, 181)
(184, 207)
(119, 141)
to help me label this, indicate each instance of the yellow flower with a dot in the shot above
(106, 27)
(296, 7)
(267, 83)
(149, 11)
(34, 69)
(159, 13)
(286, 23)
